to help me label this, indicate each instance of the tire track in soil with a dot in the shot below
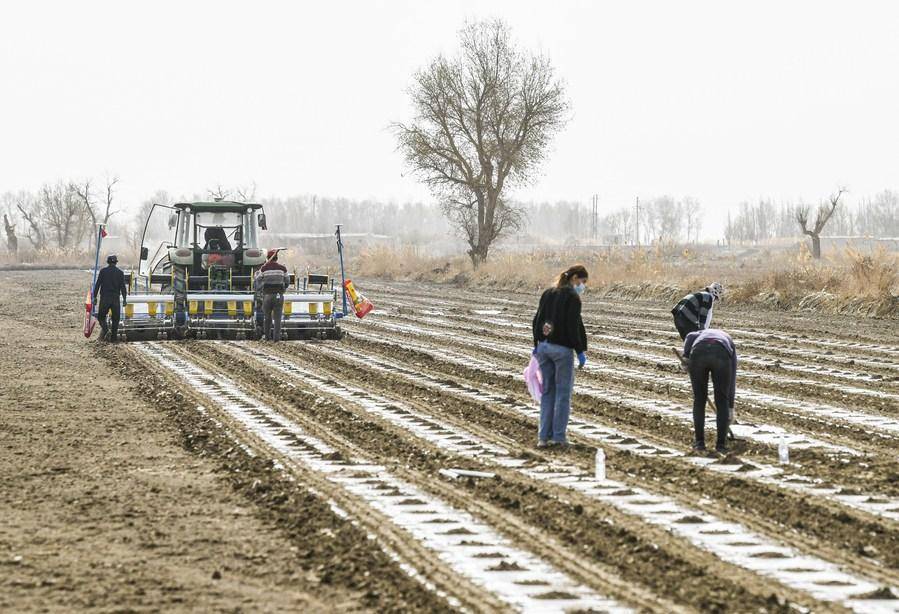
(766, 385)
(840, 433)
(869, 334)
(483, 358)
(476, 318)
(877, 474)
(637, 443)
(497, 353)
(400, 411)
(474, 321)
(866, 422)
(328, 547)
(861, 427)
(641, 554)
(645, 329)
(822, 521)
(522, 581)
(803, 415)
(642, 334)
(856, 532)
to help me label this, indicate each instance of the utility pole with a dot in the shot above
(637, 224)
(594, 220)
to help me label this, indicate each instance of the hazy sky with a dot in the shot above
(709, 99)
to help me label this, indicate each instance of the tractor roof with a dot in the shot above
(218, 206)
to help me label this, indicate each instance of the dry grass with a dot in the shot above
(844, 281)
(27, 258)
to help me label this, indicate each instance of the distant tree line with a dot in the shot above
(413, 221)
(59, 216)
(876, 216)
(664, 219)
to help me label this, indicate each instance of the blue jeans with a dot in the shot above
(557, 367)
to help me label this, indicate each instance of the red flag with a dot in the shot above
(89, 320)
(102, 232)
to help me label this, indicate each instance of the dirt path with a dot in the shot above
(103, 507)
(312, 476)
(733, 492)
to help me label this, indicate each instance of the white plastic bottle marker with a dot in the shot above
(783, 451)
(600, 465)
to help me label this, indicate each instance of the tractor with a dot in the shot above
(199, 280)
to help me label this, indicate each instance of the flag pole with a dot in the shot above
(342, 270)
(100, 233)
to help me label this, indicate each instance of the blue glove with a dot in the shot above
(534, 352)
(581, 359)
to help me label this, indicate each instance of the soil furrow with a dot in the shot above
(767, 379)
(632, 440)
(578, 522)
(338, 552)
(851, 429)
(874, 334)
(649, 331)
(878, 473)
(413, 523)
(445, 521)
(816, 518)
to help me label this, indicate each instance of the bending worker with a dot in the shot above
(272, 280)
(711, 351)
(110, 284)
(694, 311)
(559, 335)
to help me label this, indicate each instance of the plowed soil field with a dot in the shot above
(397, 469)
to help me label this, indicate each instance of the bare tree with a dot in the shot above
(12, 241)
(63, 213)
(84, 193)
(617, 226)
(35, 235)
(219, 193)
(650, 221)
(243, 193)
(879, 216)
(669, 214)
(108, 198)
(692, 218)
(247, 193)
(98, 211)
(824, 213)
(483, 121)
(462, 212)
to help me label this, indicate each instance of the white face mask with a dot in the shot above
(580, 288)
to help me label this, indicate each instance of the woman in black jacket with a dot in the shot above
(559, 335)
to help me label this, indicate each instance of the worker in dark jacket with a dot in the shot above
(559, 335)
(711, 352)
(216, 240)
(694, 311)
(272, 280)
(110, 284)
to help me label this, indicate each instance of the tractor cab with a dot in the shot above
(214, 242)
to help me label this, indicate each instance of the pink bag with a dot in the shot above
(533, 378)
